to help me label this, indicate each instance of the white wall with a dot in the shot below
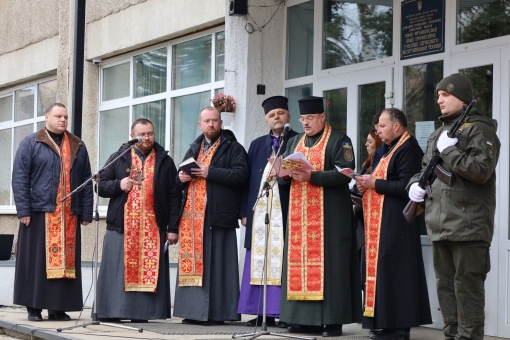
(7, 282)
(150, 22)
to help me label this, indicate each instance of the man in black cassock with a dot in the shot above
(322, 221)
(395, 268)
(48, 258)
(207, 290)
(118, 296)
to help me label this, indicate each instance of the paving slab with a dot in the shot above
(14, 325)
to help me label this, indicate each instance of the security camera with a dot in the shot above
(96, 61)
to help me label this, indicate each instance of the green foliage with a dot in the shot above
(485, 21)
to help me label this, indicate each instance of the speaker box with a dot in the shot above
(238, 7)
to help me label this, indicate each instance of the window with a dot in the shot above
(420, 99)
(370, 102)
(168, 85)
(150, 73)
(482, 79)
(356, 31)
(482, 19)
(21, 113)
(294, 94)
(299, 40)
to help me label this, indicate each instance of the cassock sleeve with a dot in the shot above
(109, 185)
(341, 157)
(21, 178)
(237, 174)
(406, 163)
(173, 200)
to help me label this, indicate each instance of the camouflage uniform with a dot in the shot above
(460, 222)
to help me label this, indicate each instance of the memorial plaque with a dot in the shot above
(422, 28)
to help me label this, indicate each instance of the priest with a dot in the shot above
(320, 283)
(254, 206)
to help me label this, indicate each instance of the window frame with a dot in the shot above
(11, 124)
(168, 95)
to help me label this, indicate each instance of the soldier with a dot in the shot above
(460, 218)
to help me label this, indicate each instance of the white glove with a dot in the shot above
(416, 194)
(444, 141)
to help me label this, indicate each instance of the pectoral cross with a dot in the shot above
(136, 174)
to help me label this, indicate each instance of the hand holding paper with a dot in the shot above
(294, 162)
(347, 172)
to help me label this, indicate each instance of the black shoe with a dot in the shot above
(282, 324)
(270, 321)
(332, 330)
(110, 320)
(388, 334)
(304, 329)
(34, 316)
(139, 321)
(213, 323)
(58, 315)
(192, 322)
(371, 333)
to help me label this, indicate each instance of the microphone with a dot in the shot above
(286, 128)
(138, 139)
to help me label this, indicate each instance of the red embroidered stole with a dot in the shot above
(191, 225)
(61, 224)
(373, 206)
(305, 261)
(141, 233)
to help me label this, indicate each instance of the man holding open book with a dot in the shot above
(208, 283)
(320, 283)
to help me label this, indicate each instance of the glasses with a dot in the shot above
(307, 118)
(148, 134)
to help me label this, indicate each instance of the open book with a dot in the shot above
(187, 165)
(296, 161)
(347, 172)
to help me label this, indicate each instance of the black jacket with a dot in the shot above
(228, 173)
(167, 196)
(36, 173)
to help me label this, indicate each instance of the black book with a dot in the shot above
(189, 164)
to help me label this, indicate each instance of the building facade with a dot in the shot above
(164, 60)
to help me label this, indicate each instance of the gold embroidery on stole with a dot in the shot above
(142, 244)
(305, 260)
(372, 206)
(60, 225)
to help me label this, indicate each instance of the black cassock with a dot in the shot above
(31, 287)
(401, 289)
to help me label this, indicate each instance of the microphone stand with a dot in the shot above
(267, 187)
(95, 177)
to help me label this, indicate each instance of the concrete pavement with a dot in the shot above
(14, 323)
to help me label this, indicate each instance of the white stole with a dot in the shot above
(275, 236)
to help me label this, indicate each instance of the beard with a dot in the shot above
(144, 146)
(212, 134)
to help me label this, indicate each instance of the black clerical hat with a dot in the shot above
(310, 105)
(275, 102)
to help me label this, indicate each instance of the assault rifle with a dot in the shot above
(433, 169)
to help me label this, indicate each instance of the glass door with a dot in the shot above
(484, 69)
(353, 99)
